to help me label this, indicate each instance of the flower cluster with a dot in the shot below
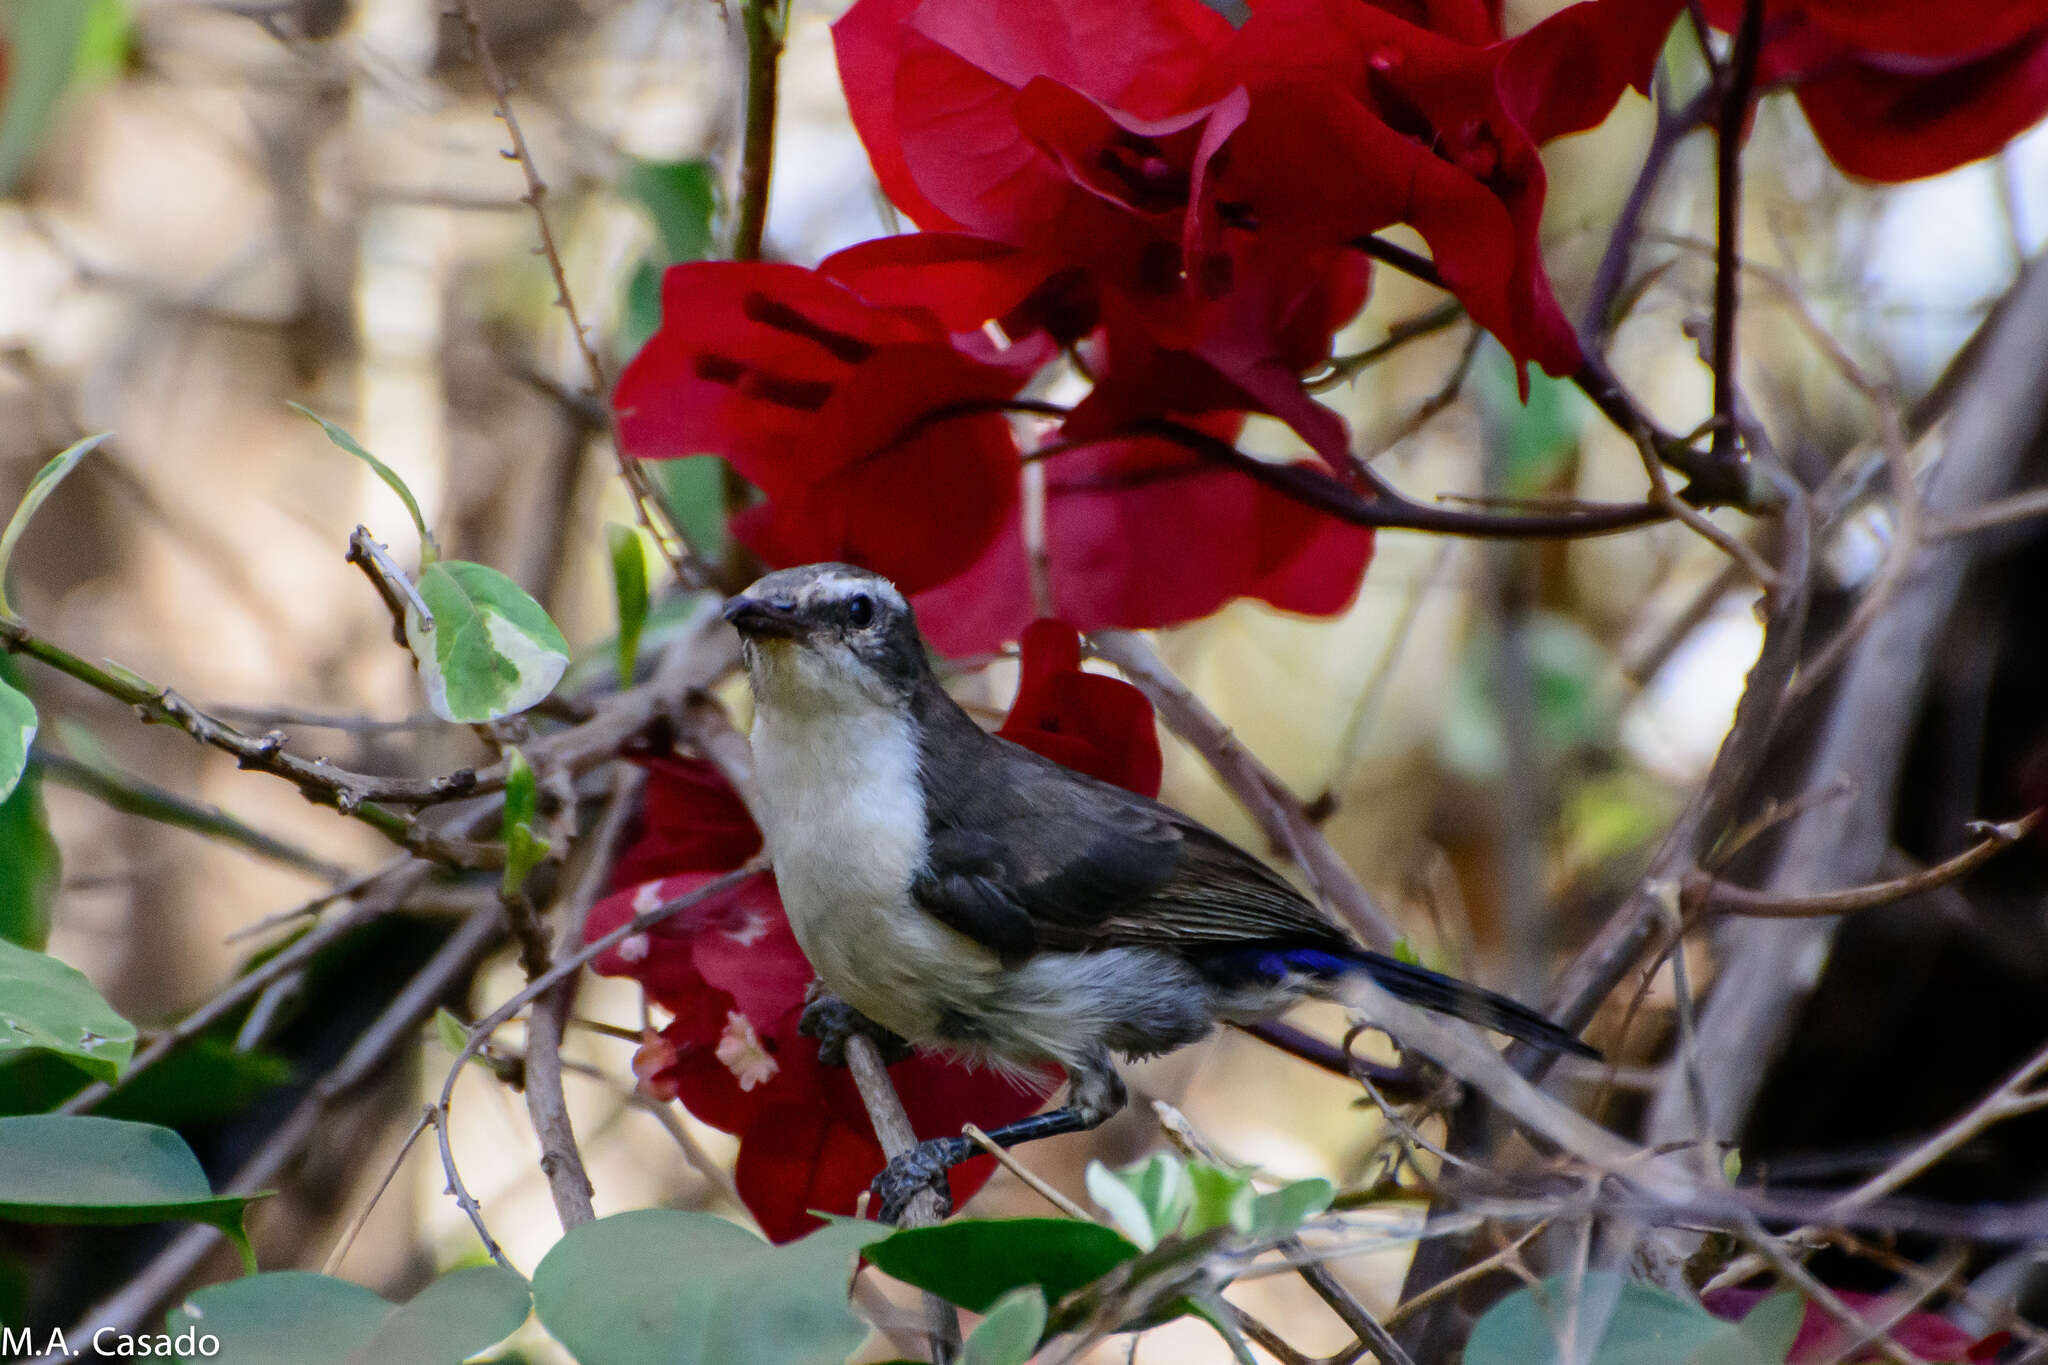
(731, 976)
(1898, 89)
(1176, 203)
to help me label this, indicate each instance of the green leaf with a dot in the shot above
(1147, 1200)
(1010, 1332)
(452, 1032)
(1533, 441)
(1646, 1327)
(975, 1262)
(81, 1168)
(641, 317)
(1283, 1210)
(1223, 1199)
(17, 732)
(693, 490)
(669, 1287)
(295, 1317)
(29, 867)
(49, 1006)
(1773, 1326)
(524, 849)
(629, 589)
(53, 42)
(287, 1317)
(429, 550)
(39, 488)
(681, 197)
(457, 1316)
(491, 651)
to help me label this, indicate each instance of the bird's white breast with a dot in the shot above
(846, 827)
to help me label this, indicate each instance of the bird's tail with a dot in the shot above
(1463, 1000)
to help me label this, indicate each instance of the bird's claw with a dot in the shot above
(832, 1021)
(905, 1177)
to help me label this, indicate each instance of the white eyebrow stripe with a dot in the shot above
(834, 587)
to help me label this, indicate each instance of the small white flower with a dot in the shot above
(748, 933)
(634, 948)
(740, 1049)
(646, 896)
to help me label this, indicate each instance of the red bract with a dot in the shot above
(1090, 722)
(1142, 533)
(730, 972)
(816, 395)
(1205, 187)
(1898, 89)
(1927, 1335)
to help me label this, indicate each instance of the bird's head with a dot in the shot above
(827, 637)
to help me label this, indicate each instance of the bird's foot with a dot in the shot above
(905, 1177)
(832, 1021)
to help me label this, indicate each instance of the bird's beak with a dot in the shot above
(760, 620)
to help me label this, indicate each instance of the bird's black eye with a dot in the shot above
(860, 610)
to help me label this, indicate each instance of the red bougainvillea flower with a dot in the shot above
(1927, 1335)
(732, 977)
(1142, 533)
(1899, 89)
(1205, 185)
(1091, 722)
(814, 395)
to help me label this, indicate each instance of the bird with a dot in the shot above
(964, 894)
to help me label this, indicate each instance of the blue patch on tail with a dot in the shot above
(1270, 966)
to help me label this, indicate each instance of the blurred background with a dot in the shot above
(214, 208)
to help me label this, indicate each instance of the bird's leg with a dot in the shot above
(832, 1021)
(1094, 1093)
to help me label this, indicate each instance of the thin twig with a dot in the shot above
(133, 795)
(1714, 895)
(1731, 121)
(1671, 128)
(688, 573)
(2009, 1099)
(1378, 504)
(927, 1207)
(394, 1027)
(1755, 1234)
(560, 1159)
(1008, 1161)
(1344, 368)
(1277, 810)
(382, 898)
(355, 1224)
(481, 1031)
(353, 794)
(759, 21)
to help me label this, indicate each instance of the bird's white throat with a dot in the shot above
(845, 820)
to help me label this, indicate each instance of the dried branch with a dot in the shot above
(1276, 809)
(927, 1208)
(481, 1031)
(133, 795)
(396, 1026)
(1736, 83)
(1671, 129)
(688, 572)
(2009, 1099)
(560, 1159)
(1769, 966)
(763, 28)
(1712, 895)
(353, 794)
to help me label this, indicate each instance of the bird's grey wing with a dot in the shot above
(1037, 856)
